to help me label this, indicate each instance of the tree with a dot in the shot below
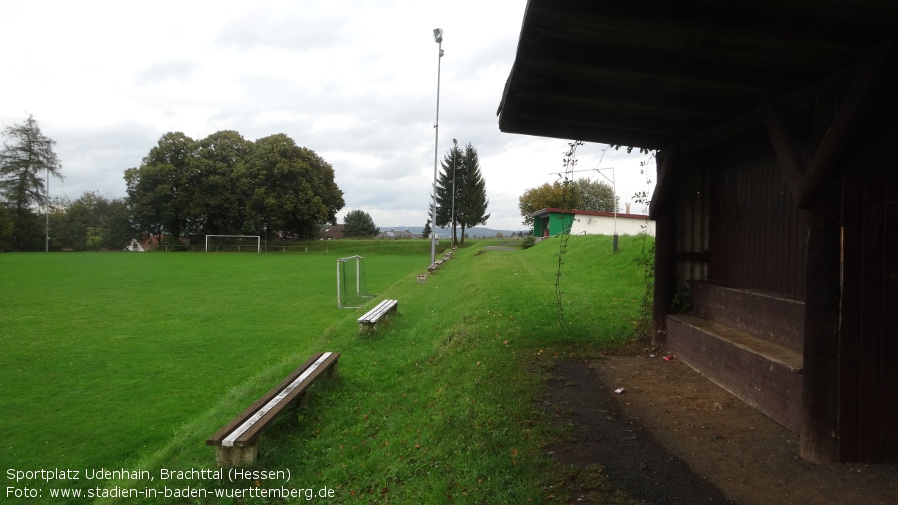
(425, 233)
(291, 188)
(158, 189)
(26, 162)
(450, 167)
(595, 195)
(470, 190)
(358, 223)
(559, 195)
(217, 202)
(92, 222)
(226, 184)
(6, 227)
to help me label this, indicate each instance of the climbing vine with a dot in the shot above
(646, 259)
(570, 161)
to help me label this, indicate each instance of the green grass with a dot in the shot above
(122, 360)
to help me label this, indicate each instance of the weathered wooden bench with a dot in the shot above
(369, 320)
(236, 441)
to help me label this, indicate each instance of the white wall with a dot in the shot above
(604, 225)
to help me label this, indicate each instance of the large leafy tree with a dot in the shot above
(226, 184)
(159, 190)
(292, 189)
(217, 203)
(359, 223)
(595, 195)
(27, 160)
(470, 191)
(560, 195)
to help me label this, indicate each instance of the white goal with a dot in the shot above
(233, 243)
(352, 289)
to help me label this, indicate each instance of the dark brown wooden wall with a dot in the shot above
(868, 409)
(757, 235)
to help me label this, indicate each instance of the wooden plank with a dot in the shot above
(764, 375)
(247, 432)
(774, 318)
(374, 312)
(246, 414)
(377, 312)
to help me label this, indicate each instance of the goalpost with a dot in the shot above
(237, 245)
(351, 286)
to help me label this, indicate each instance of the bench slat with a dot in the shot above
(373, 312)
(374, 316)
(386, 308)
(378, 311)
(252, 420)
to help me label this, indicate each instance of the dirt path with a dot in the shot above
(673, 436)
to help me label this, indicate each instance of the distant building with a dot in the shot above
(395, 235)
(551, 221)
(332, 232)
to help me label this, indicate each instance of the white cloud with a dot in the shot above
(355, 81)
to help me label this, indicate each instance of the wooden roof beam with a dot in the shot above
(805, 184)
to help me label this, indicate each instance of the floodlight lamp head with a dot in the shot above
(438, 35)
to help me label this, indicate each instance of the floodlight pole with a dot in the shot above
(47, 197)
(438, 38)
(614, 200)
(454, 156)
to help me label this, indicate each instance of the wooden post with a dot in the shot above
(819, 437)
(664, 213)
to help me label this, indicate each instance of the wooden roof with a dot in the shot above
(651, 73)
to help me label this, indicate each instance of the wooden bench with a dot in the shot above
(236, 441)
(748, 342)
(369, 320)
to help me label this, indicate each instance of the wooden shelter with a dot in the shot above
(776, 206)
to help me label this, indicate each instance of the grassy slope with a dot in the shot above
(438, 404)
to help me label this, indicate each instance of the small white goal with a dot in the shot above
(352, 290)
(233, 243)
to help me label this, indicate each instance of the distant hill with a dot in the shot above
(476, 232)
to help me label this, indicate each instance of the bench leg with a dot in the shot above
(228, 457)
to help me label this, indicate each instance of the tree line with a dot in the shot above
(225, 184)
(221, 184)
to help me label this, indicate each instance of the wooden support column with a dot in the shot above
(663, 211)
(819, 416)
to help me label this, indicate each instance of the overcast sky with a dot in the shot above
(353, 80)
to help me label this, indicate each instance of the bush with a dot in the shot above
(528, 242)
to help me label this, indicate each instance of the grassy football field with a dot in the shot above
(128, 361)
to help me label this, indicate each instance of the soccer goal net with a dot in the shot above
(351, 288)
(233, 243)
